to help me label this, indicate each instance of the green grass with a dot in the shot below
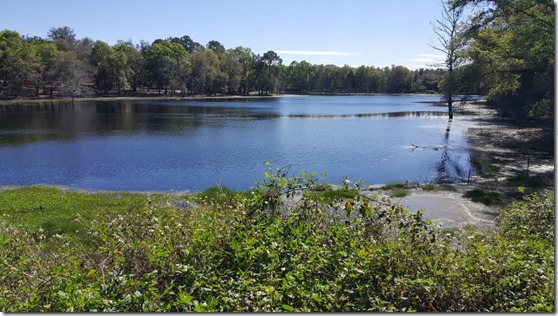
(398, 193)
(56, 211)
(483, 164)
(396, 189)
(433, 187)
(220, 194)
(326, 193)
(324, 187)
(484, 197)
(533, 182)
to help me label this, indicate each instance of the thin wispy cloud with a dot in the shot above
(315, 53)
(425, 58)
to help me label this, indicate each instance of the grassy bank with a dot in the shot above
(222, 250)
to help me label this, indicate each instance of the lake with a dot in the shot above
(192, 145)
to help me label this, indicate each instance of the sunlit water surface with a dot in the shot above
(192, 145)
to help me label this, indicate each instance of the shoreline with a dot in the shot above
(135, 98)
(30, 101)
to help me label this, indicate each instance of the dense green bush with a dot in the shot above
(260, 252)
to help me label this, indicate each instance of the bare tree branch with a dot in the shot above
(447, 30)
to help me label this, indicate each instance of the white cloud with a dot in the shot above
(315, 53)
(425, 58)
(422, 61)
(432, 55)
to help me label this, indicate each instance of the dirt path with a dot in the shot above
(450, 209)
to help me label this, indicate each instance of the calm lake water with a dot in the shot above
(192, 145)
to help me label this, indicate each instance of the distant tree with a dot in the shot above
(83, 48)
(361, 75)
(19, 63)
(169, 65)
(135, 63)
(189, 45)
(231, 70)
(247, 60)
(109, 67)
(9, 42)
(340, 76)
(62, 33)
(206, 74)
(267, 72)
(73, 77)
(64, 37)
(399, 80)
(300, 76)
(47, 53)
(216, 47)
(323, 78)
(376, 80)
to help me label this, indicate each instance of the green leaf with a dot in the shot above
(200, 308)
(235, 244)
(184, 299)
(288, 308)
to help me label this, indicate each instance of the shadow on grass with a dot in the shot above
(484, 197)
(533, 182)
(483, 164)
(60, 226)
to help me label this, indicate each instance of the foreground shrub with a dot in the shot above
(264, 253)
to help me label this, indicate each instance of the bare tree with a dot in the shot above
(72, 78)
(450, 42)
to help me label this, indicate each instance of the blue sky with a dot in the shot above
(353, 32)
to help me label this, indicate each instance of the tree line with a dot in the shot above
(62, 65)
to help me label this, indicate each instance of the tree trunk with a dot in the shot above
(450, 107)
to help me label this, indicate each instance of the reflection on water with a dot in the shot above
(448, 167)
(385, 115)
(186, 145)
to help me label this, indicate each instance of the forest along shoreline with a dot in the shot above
(512, 159)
